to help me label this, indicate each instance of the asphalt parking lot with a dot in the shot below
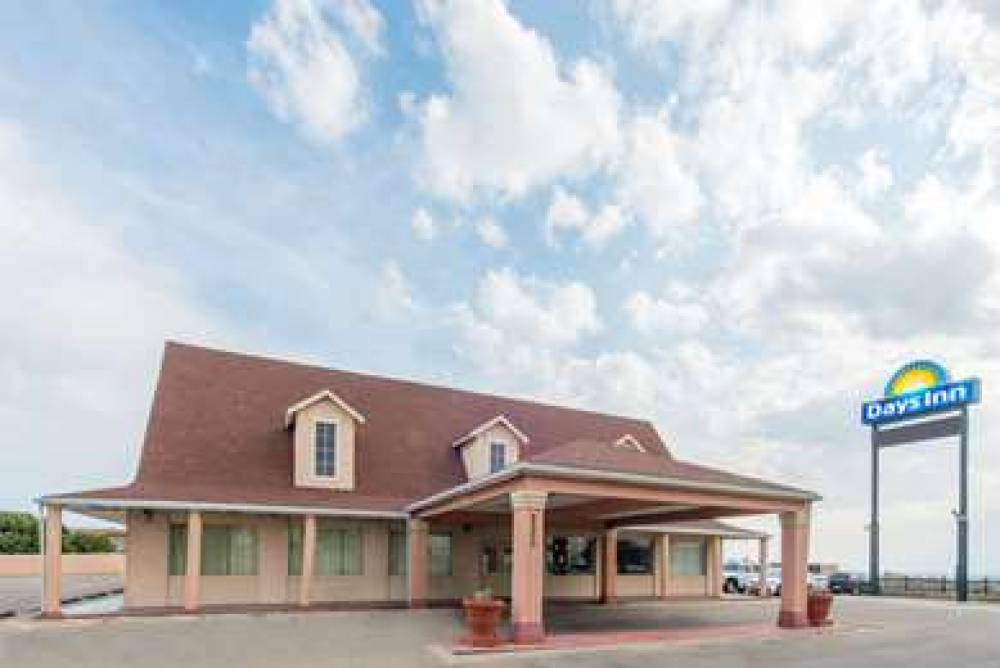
(22, 595)
(889, 633)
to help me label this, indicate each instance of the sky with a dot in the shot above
(735, 219)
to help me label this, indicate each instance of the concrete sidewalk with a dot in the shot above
(22, 595)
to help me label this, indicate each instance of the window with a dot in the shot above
(688, 557)
(571, 555)
(397, 553)
(635, 555)
(498, 457)
(294, 547)
(228, 550)
(339, 551)
(326, 449)
(177, 549)
(439, 545)
(495, 559)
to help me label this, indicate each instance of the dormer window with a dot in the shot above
(491, 447)
(324, 436)
(326, 449)
(498, 456)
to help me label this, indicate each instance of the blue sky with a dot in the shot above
(733, 218)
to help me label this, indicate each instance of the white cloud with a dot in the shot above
(516, 118)
(654, 182)
(651, 21)
(876, 175)
(566, 212)
(363, 20)
(679, 311)
(393, 298)
(423, 224)
(491, 233)
(301, 65)
(535, 311)
(82, 326)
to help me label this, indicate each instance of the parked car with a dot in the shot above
(819, 581)
(844, 583)
(738, 577)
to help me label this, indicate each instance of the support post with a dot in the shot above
(663, 565)
(417, 567)
(762, 557)
(715, 566)
(192, 573)
(528, 542)
(308, 559)
(794, 568)
(873, 566)
(609, 568)
(52, 563)
(962, 517)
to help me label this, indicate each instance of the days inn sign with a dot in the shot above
(923, 389)
(919, 388)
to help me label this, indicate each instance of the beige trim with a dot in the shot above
(573, 472)
(316, 398)
(735, 532)
(489, 424)
(629, 441)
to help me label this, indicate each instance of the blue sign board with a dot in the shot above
(921, 401)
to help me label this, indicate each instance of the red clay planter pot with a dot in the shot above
(481, 617)
(818, 608)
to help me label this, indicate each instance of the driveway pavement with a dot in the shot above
(20, 595)
(886, 633)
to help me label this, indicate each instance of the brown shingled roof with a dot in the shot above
(216, 433)
(590, 454)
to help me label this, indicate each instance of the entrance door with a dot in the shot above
(496, 559)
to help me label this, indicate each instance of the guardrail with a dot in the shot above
(980, 589)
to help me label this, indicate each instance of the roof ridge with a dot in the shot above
(403, 381)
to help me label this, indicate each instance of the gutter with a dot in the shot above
(561, 471)
(143, 504)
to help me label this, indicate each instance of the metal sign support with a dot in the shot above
(882, 437)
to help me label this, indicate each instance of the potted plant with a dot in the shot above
(482, 613)
(818, 604)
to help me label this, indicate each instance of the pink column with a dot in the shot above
(609, 568)
(763, 565)
(52, 563)
(192, 573)
(714, 566)
(416, 567)
(308, 559)
(794, 568)
(663, 565)
(527, 576)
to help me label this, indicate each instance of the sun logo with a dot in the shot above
(915, 376)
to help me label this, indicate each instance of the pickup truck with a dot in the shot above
(738, 577)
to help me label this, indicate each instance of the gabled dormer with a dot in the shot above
(629, 442)
(491, 447)
(323, 435)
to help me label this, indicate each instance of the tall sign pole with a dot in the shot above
(962, 565)
(922, 403)
(873, 572)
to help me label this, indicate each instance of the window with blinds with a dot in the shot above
(339, 551)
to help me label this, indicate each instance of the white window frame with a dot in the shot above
(503, 456)
(336, 449)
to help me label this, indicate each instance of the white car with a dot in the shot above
(738, 577)
(819, 581)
